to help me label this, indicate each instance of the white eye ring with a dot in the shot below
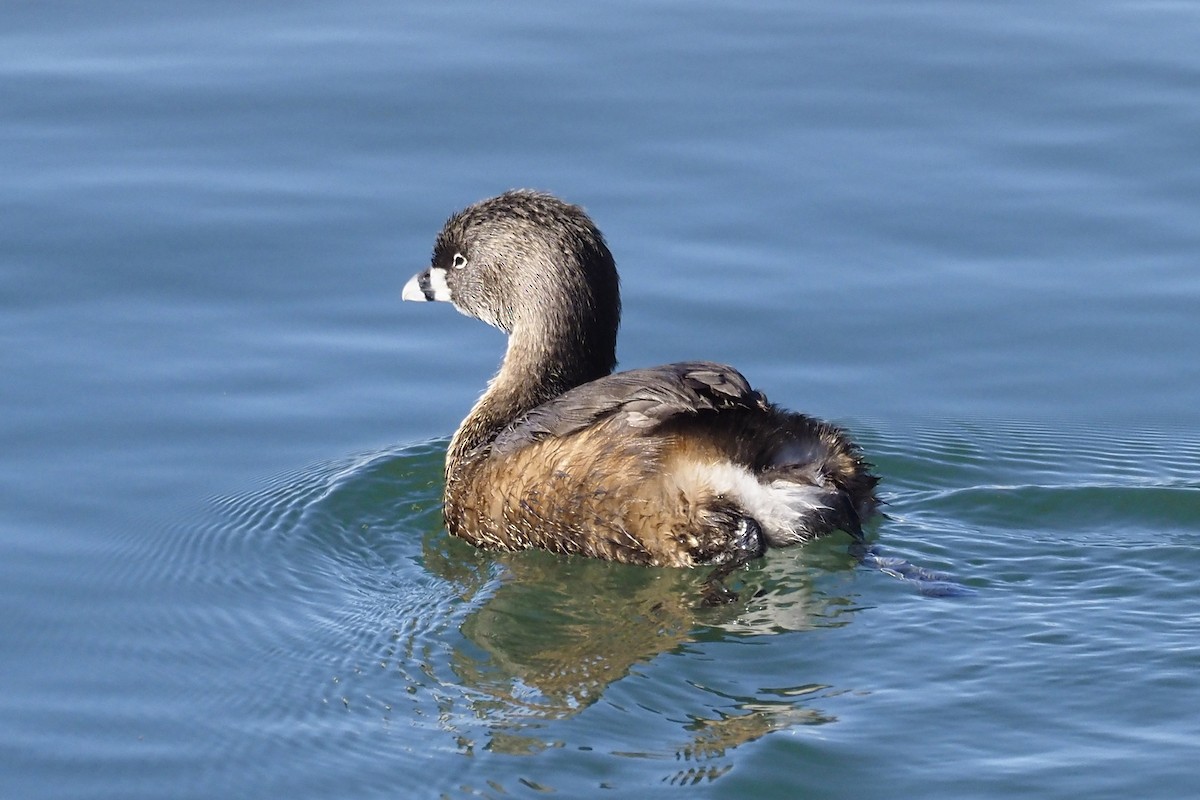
(460, 261)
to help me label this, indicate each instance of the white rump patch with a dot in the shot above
(780, 507)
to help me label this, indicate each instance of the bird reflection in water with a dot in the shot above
(547, 635)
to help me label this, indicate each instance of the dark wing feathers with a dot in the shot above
(639, 398)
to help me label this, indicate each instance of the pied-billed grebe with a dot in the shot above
(679, 465)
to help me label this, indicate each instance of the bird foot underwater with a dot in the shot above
(751, 545)
(715, 592)
(927, 582)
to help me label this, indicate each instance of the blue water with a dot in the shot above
(966, 231)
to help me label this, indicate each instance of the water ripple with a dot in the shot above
(330, 606)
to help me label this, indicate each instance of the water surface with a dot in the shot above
(965, 231)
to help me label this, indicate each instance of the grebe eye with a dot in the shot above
(460, 261)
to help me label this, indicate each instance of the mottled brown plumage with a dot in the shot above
(678, 465)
